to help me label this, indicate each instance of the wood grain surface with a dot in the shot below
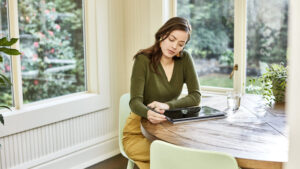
(255, 135)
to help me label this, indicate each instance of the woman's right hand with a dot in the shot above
(155, 117)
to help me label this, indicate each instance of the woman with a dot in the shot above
(158, 75)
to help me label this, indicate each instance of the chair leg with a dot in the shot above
(130, 164)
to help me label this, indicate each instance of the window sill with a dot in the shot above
(207, 91)
(51, 110)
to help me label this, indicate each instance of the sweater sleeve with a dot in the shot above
(137, 86)
(191, 79)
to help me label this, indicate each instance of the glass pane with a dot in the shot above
(211, 44)
(5, 66)
(52, 47)
(266, 37)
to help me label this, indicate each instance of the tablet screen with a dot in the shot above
(192, 113)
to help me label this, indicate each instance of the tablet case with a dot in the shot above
(193, 113)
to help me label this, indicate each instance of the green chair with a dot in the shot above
(124, 111)
(168, 156)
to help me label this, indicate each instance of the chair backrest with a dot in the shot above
(124, 111)
(168, 156)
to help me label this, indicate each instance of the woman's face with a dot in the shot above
(174, 43)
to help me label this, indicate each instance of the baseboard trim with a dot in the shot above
(97, 159)
(86, 157)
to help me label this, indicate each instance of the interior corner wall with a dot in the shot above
(142, 18)
(117, 57)
(136, 27)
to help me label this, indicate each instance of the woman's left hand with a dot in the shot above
(159, 106)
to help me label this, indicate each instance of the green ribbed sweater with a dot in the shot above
(147, 86)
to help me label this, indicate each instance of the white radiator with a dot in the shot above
(42, 145)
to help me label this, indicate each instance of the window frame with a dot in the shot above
(240, 48)
(97, 97)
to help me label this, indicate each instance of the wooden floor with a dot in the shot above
(116, 162)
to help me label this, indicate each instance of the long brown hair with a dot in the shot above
(154, 52)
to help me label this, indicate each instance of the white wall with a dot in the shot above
(136, 24)
(293, 101)
(142, 18)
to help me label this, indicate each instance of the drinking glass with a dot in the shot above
(233, 105)
(233, 101)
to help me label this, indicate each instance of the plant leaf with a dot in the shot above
(5, 42)
(10, 51)
(4, 80)
(1, 119)
(6, 107)
(1, 59)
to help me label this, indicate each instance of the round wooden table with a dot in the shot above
(259, 143)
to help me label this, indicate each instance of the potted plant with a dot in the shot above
(5, 45)
(273, 83)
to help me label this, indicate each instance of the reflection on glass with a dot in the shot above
(266, 37)
(211, 43)
(5, 66)
(52, 47)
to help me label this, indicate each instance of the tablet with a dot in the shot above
(193, 113)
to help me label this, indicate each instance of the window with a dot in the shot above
(211, 43)
(218, 41)
(266, 36)
(52, 47)
(61, 73)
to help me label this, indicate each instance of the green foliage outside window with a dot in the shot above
(56, 27)
(52, 49)
(213, 36)
(267, 44)
(214, 39)
(212, 24)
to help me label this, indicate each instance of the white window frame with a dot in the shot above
(240, 48)
(27, 116)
